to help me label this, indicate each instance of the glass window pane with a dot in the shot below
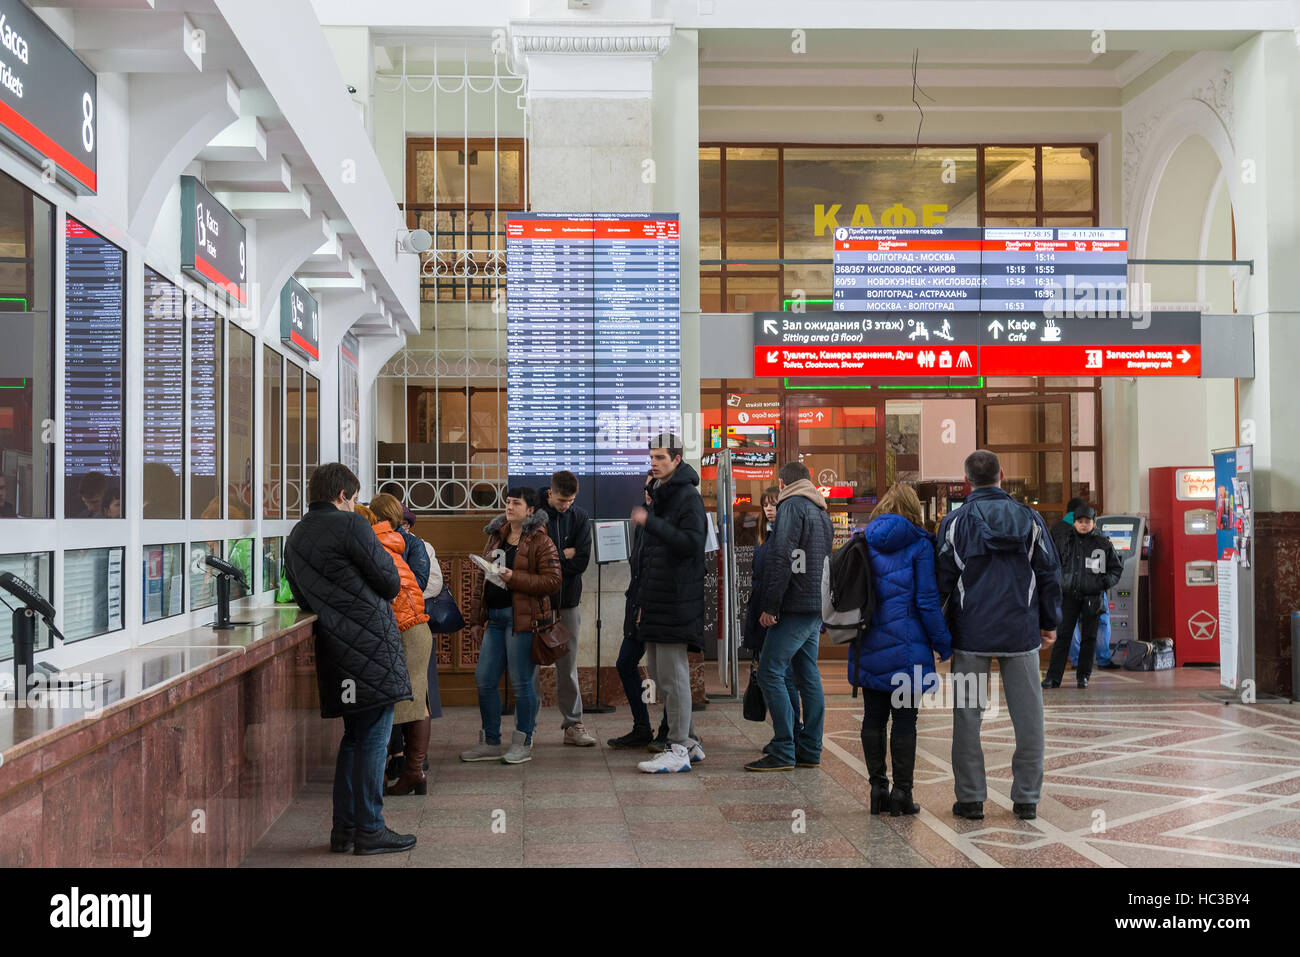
(710, 180)
(1034, 478)
(752, 180)
(710, 240)
(1023, 424)
(753, 238)
(203, 580)
(26, 364)
(272, 550)
(1084, 480)
(92, 592)
(810, 282)
(710, 294)
(449, 188)
(293, 490)
(164, 571)
(752, 293)
(239, 552)
(239, 460)
(311, 453)
(34, 569)
(205, 411)
(164, 398)
(855, 469)
(1009, 180)
(1067, 178)
(94, 389)
(272, 424)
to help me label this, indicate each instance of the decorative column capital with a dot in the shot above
(615, 38)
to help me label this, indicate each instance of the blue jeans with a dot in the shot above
(793, 691)
(791, 644)
(359, 770)
(630, 654)
(504, 647)
(1103, 639)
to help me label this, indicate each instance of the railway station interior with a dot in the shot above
(242, 239)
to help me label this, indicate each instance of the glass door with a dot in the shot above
(1031, 436)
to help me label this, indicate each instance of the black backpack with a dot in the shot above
(848, 595)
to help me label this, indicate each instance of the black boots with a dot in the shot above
(873, 750)
(902, 747)
(640, 736)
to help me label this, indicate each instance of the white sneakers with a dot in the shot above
(576, 735)
(675, 759)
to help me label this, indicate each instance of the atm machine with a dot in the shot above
(1184, 574)
(1126, 533)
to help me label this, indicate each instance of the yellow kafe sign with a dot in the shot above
(897, 216)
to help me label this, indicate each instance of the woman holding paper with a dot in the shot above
(521, 570)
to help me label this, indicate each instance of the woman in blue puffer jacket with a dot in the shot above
(895, 659)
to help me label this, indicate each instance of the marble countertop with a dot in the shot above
(109, 686)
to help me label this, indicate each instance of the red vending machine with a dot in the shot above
(1184, 576)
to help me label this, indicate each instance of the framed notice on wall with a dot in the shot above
(610, 541)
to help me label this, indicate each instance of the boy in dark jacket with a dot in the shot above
(338, 570)
(997, 571)
(791, 600)
(669, 599)
(570, 530)
(1090, 567)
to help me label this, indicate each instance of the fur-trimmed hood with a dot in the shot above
(531, 524)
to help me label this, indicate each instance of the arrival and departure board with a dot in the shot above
(967, 269)
(594, 348)
(95, 347)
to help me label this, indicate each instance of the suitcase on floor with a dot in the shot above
(1164, 654)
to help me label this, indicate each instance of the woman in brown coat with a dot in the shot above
(504, 618)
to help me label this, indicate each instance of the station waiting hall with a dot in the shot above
(626, 433)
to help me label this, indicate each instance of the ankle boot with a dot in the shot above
(873, 749)
(902, 747)
(417, 746)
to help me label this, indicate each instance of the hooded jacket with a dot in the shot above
(670, 567)
(998, 567)
(795, 555)
(408, 606)
(534, 578)
(337, 570)
(907, 627)
(1089, 564)
(569, 529)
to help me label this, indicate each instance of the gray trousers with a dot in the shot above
(671, 673)
(567, 693)
(1023, 697)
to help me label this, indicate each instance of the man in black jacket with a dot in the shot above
(669, 600)
(339, 571)
(790, 597)
(570, 530)
(1090, 566)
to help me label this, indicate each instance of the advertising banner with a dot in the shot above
(1234, 550)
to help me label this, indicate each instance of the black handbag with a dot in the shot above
(754, 707)
(444, 617)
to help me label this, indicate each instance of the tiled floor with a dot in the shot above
(1141, 771)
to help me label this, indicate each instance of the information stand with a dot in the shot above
(611, 543)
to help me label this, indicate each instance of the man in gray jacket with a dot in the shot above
(790, 597)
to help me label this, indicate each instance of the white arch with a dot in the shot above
(1188, 118)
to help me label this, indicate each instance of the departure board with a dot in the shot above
(164, 378)
(95, 359)
(1055, 270)
(205, 409)
(594, 348)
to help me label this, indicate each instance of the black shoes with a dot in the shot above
(659, 743)
(900, 802)
(1026, 812)
(383, 841)
(1082, 681)
(638, 737)
(873, 750)
(970, 810)
(341, 839)
(768, 763)
(807, 762)
(1049, 683)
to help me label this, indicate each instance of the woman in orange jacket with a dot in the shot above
(417, 642)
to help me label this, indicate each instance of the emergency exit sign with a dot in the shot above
(985, 344)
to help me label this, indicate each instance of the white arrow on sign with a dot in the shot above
(995, 327)
(773, 355)
(1184, 355)
(820, 416)
(769, 327)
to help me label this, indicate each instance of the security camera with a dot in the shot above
(351, 89)
(413, 240)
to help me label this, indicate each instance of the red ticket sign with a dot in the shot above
(1090, 360)
(863, 360)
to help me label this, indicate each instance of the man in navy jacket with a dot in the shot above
(998, 572)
